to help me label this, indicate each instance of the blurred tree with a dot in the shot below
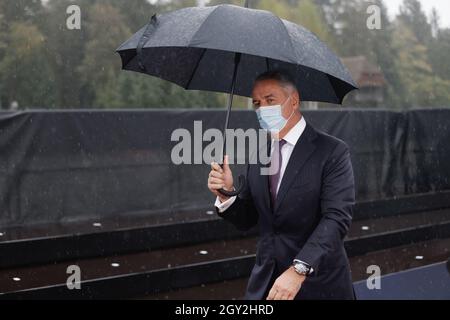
(64, 49)
(11, 13)
(439, 48)
(25, 74)
(312, 17)
(352, 37)
(425, 63)
(440, 54)
(384, 53)
(414, 18)
(175, 4)
(423, 87)
(235, 2)
(114, 88)
(20, 11)
(105, 30)
(135, 13)
(44, 64)
(3, 35)
(303, 12)
(434, 22)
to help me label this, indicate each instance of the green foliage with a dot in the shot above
(440, 54)
(303, 12)
(24, 72)
(99, 68)
(424, 87)
(413, 17)
(45, 65)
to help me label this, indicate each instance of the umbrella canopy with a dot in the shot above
(224, 48)
(197, 47)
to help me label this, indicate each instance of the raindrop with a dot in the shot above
(1, 234)
(419, 257)
(203, 252)
(115, 265)
(97, 224)
(210, 212)
(365, 228)
(16, 279)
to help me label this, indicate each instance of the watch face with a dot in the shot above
(301, 268)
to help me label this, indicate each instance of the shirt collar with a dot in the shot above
(295, 133)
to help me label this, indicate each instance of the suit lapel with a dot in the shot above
(301, 153)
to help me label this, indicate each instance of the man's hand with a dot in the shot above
(220, 179)
(287, 286)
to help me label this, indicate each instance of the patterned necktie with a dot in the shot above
(275, 178)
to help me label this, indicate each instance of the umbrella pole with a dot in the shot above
(237, 59)
(240, 187)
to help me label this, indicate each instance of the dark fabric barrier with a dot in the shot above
(78, 165)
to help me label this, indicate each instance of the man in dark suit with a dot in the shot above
(303, 209)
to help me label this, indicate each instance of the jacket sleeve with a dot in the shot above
(242, 213)
(337, 200)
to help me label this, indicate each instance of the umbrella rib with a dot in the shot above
(333, 80)
(195, 69)
(203, 23)
(289, 37)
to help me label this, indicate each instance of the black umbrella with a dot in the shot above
(224, 48)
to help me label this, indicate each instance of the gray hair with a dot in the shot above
(283, 78)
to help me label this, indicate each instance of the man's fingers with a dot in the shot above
(215, 186)
(278, 296)
(215, 166)
(216, 181)
(215, 174)
(284, 296)
(272, 293)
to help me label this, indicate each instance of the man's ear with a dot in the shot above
(296, 99)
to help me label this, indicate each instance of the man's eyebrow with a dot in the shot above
(265, 97)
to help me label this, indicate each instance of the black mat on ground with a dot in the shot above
(424, 283)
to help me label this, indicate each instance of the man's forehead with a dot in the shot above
(266, 88)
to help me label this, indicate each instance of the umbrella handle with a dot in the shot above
(237, 190)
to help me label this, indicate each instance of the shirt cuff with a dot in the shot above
(222, 206)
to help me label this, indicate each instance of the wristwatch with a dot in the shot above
(302, 268)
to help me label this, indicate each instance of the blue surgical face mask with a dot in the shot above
(271, 117)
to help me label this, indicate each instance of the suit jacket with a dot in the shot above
(309, 221)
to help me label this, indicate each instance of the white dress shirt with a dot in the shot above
(291, 139)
